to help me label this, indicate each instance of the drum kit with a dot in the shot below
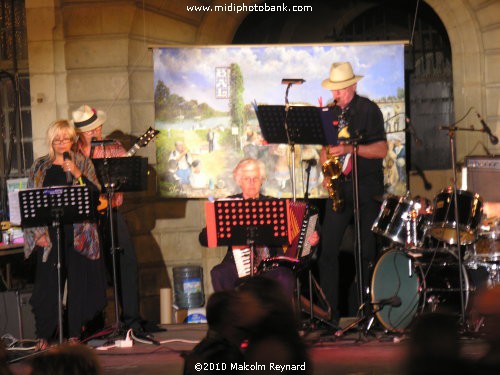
(420, 270)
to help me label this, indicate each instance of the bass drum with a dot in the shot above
(429, 282)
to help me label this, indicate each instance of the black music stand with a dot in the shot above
(124, 174)
(292, 125)
(55, 206)
(249, 222)
(305, 124)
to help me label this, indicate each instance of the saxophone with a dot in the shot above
(332, 170)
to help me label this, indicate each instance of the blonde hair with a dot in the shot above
(55, 129)
(244, 163)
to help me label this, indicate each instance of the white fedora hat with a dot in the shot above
(86, 119)
(341, 76)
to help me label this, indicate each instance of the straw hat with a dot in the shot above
(86, 119)
(341, 76)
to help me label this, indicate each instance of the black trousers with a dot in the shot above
(86, 287)
(333, 229)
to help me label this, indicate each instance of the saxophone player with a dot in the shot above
(352, 114)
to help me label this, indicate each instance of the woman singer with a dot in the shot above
(82, 267)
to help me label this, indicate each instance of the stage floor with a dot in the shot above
(383, 354)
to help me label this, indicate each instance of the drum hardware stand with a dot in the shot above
(365, 321)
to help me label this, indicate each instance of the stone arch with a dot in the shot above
(219, 27)
(467, 59)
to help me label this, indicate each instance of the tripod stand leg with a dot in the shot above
(314, 311)
(114, 250)
(59, 282)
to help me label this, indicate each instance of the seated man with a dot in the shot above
(249, 175)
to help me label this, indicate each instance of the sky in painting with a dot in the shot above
(190, 71)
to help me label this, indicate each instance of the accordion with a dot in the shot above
(273, 222)
(302, 219)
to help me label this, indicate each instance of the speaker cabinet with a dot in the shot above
(16, 317)
(483, 175)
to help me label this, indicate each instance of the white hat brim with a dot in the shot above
(101, 119)
(331, 85)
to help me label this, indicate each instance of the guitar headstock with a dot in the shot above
(147, 137)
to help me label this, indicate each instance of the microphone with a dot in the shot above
(292, 81)
(487, 130)
(418, 141)
(310, 162)
(69, 176)
(95, 142)
(393, 301)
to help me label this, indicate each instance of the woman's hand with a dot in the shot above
(42, 241)
(70, 166)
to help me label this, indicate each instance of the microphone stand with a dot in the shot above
(290, 143)
(56, 224)
(452, 129)
(358, 253)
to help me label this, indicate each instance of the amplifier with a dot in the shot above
(483, 175)
(16, 317)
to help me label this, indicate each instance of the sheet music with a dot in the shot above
(13, 187)
(14, 208)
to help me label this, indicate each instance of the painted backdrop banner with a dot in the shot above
(204, 108)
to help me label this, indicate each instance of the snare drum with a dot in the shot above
(429, 282)
(470, 209)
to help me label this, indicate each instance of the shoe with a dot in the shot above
(141, 325)
(151, 327)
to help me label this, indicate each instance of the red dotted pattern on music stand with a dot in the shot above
(245, 213)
